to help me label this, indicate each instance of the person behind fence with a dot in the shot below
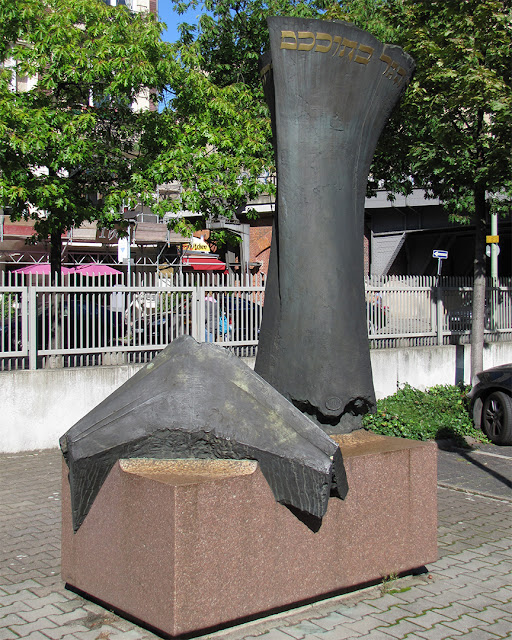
(211, 318)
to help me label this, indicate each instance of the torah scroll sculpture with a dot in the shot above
(330, 87)
(334, 88)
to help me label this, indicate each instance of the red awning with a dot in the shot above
(202, 263)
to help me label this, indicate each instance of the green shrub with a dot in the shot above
(441, 412)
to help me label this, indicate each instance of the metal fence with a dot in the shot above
(103, 321)
(424, 311)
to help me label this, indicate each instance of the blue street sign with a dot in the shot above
(440, 254)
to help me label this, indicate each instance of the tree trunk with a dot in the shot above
(56, 257)
(57, 307)
(478, 324)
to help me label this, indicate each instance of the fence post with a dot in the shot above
(32, 327)
(198, 318)
(439, 313)
(494, 285)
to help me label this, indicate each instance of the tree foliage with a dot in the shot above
(460, 102)
(73, 147)
(226, 146)
(232, 34)
(69, 143)
(452, 133)
(459, 108)
(214, 140)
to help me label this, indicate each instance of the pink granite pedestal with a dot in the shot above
(190, 545)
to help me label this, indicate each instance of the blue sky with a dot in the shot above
(172, 19)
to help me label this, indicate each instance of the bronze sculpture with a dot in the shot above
(331, 88)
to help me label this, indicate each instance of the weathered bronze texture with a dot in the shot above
(199, 401)
(331, 88)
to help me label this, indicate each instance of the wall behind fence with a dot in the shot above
(39, 406)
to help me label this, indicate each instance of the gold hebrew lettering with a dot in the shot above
(266, 68)
(337, 40)
(306, 35)
(323, 48)
(402, 73)
(364, 49)
(351, 45)
(394, 66)
(264, 73)
(288, 45)
(387, 60)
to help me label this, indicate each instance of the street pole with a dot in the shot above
(129, 271)
(494, 247)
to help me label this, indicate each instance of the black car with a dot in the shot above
(491, 403)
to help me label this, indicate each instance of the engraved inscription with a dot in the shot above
(392, 70)
(403, 75)
(388, 61)
(288, 45)
(264, 73)
(342, 48)
(350, 44)
(363, 48)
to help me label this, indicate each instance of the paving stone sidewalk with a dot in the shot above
(466, 594)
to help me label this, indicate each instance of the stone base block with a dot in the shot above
(186, 546)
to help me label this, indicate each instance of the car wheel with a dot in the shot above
(497, 418)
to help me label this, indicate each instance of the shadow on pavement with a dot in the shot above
(495, 474)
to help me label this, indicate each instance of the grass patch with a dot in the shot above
(439, 413)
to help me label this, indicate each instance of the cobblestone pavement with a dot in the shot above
(466, 594)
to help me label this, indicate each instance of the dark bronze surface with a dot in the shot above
(331, 88)
(199, 401)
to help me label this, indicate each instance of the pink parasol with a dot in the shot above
(95, 269)
(42, 268)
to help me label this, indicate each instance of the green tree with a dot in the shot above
(232, 34)
(214, 140)
(225, 140)
(452, 133)
(70, 144)
(458, 116)
(74, 149)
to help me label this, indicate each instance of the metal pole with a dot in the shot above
(32, 327)
(439, 313)
(494, 247)
(129, 272)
